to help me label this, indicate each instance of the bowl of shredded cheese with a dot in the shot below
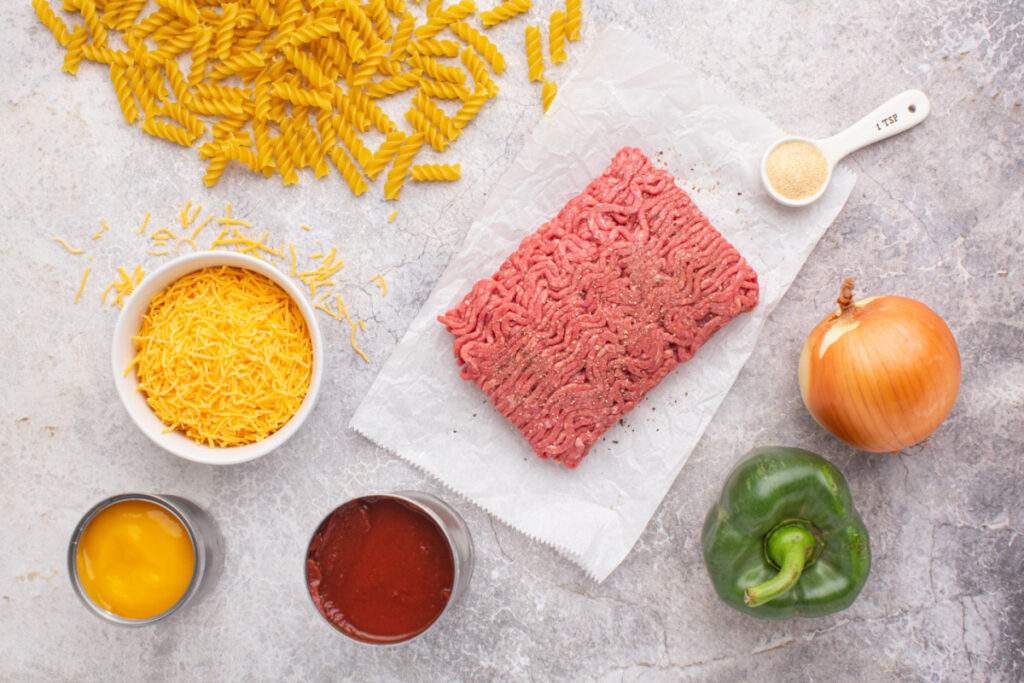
(218, 357)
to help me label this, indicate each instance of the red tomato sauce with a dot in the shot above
(379, 570)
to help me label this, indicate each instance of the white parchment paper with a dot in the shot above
(625, 94)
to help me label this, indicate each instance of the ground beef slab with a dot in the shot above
(597, 306)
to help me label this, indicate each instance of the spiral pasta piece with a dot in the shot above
(186, 9)
(365, 71)
(73, 57)
(547, 94)
(313, 30)
(54, 24)
(300, 96)
(469, 109)
(534, 53)
(200, 56)
(556, 37)
(400, 168)
(478, 71)
(226, 31)
(403, 36)
(348, 171)
(352, 142)
(87, 8)
(395, 84)
(442, 90)
(434, 113)
(573, 19)
(435, 172)
(437, 22)
(481, 43)
(384, 154)
(168, 132)
(438, 71)
(421, 124)
(432, 47)
(123, 90)
(505, 11)
(381, 20)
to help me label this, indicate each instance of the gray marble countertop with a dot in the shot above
(937, 214)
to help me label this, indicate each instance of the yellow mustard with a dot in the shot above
(135, 559)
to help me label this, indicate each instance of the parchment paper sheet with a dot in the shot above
(625, 94)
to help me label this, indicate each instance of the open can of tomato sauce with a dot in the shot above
(135, 559)
(384, 569)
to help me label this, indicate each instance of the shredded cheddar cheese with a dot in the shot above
(141, 230)
(393, 216)
(81, 285)
(224, 356)
(381, 283)
(70, 249)
(341, 314)
(104, 226)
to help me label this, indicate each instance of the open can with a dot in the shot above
(457, 538)
(206, 548)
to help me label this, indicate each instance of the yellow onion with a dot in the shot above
(881, 373)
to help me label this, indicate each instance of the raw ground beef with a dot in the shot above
(597, 306)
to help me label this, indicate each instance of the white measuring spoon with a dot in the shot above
(900, 113)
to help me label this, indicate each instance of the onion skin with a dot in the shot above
(880, 374)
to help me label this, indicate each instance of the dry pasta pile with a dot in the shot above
(291, 84)
(223, 356)
(318, 271)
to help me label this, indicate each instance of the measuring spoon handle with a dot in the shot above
(897, 114)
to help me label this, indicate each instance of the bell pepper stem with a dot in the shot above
(789, 547)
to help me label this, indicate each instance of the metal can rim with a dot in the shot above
(198, 556)
(457, 560)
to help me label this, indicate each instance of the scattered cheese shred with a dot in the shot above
(224, 356)
(163, 235)
(305, 227)
(70, 249)
(341, 315)
(141, 230)
(381, 283)
(81, 285)
(158, 252)
(123, 286)
(320, 276)
(104, 226)
(199, 228)
(233, 237)
(393, 216)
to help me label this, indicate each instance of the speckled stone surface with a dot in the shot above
(937, 214)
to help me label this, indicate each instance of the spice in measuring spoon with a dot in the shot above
(796, 169)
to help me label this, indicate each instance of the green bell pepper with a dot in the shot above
(784, 539)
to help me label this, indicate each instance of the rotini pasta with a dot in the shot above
(505, 11)
(395, 84)
(309, 98)
(556, 37)
(534, 53)
(547, 94)
(437, 22)
(348, 171)
(434, 137)
(277, 86)
(400, 168)
(481, 43)
(123, 90)
(52, 22)
(440, 72)
(432, 47)
(384, 154)
(435, 172)
(573, 19)
(442, 90)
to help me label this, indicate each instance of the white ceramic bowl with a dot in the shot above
(124, 351)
